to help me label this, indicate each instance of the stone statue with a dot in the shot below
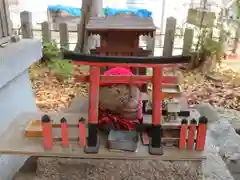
(120, 100)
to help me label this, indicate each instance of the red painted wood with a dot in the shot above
(201, 136)
(123, 65)
(93, 95)
(183, 136)
(126, 79)
(64, 134)
(145, 138)
(157, 96)
(82, 134)
(47, 135)
(191, 136)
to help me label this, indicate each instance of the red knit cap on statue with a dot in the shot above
(119, 71)
(122, 123)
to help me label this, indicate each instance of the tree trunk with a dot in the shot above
(82, 34)
(96, 11)
(90, 8)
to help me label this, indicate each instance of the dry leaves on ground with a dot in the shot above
(221, 88)
(53, 94)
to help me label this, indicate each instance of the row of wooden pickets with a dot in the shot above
(47, 132)
(192, 135)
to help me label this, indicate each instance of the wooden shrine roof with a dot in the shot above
(120, 23)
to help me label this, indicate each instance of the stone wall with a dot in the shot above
(16, 95)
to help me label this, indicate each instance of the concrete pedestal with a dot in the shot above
(16, 95)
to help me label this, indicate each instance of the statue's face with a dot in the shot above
(120, 99)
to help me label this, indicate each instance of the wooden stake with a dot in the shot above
(191, 134)
(183, 134)
(82, 133)
(201, 133)
(47, 132)
(64, 133)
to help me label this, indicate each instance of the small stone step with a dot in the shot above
(28, 170)
(29, 166)
(234, 167)
(24, 176)
(236, 176)
(78, 104)
(208, 111)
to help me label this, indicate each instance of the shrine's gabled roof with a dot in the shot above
(120, 22)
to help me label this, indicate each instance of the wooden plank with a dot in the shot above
(26, 24)
(1, 27)
(7, 15)
(193, 114)
(46, 32)
(187, 41)
(2, 20)
(13, 142)
(173, 126)
(169, 37)
(169, 91)
(64, 38)
(195, 16)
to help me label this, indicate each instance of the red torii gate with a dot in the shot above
(95, 79)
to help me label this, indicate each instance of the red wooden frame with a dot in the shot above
(126, 79)
(95, 80)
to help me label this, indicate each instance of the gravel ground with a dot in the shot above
(69, 169)
(83, 169)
